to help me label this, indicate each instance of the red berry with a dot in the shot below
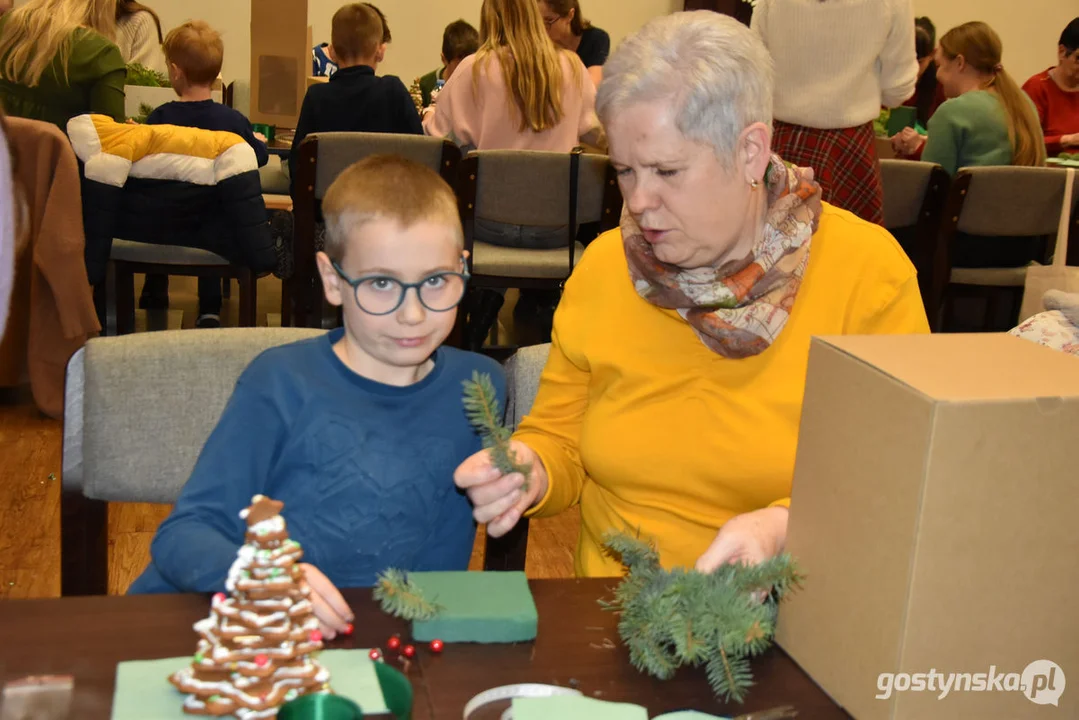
(348, 629)
(393, 643)
(219, 597)
(315, 636)
(436, 646)
(408, 651)
(261, 660)
(375, 654)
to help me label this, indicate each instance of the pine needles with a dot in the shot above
(671, 618)
(485, 414)
(399, 597)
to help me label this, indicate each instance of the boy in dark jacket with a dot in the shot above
(356, 99)
(194, 53)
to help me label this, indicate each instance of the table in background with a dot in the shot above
(578, 641)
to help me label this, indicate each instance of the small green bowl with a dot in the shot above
(320, 707)
(269, 131)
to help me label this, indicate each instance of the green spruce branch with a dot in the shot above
(485, 414)
(400, 597)
(671, 618)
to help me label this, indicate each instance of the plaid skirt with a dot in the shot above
(845, 163)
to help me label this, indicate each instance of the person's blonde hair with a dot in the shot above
(387, 187)
(42, 30)
(197, 49)
(512, 31)
(356, 32)
(982, 49)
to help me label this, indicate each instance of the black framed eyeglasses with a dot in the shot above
(383, 294)
(549, 22)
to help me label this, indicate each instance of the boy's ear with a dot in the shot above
(331, 54)
(380, 55)
(331, 281)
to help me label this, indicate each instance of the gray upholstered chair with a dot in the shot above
(322, 157)
(993, 202)
(914, 195)
(526, 187)
(138, 410)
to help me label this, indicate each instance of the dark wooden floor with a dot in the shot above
(30, 482)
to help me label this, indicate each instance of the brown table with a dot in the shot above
(87, 637)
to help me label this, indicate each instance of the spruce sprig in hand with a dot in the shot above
(684, 617)
(485, 414)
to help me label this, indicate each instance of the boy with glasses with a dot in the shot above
(358, 431)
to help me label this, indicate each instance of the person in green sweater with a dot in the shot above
(988, 119)
(58, 60)
(459, 40)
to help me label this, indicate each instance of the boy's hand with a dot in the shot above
(332, 611)
(500, 500)
(260, 137)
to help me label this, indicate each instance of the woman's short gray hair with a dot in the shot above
(714, 67)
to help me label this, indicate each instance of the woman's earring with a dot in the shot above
(754, 184)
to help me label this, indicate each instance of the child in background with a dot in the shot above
(358, 431)
(356, 99)
(459, 40)
(193, 53)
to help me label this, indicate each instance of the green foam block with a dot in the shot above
(480, 607)
(574, 707)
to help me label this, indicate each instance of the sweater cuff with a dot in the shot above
(562, 491)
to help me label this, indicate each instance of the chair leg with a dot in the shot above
(84, 546)
(247, 281)
(124, 292)
(509, 551)
(226, 288)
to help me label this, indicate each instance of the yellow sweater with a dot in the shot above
(648, 429)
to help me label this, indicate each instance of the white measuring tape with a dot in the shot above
(509, 692)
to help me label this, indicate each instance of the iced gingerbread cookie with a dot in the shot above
(254, 652)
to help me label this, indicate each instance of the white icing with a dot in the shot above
(242, 561)
(269, 526)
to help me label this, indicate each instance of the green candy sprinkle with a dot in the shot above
(198, 657)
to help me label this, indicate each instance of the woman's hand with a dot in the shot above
(333, 613)
(500, 500)
(907, 141)
(750, 538)
(1070, 140)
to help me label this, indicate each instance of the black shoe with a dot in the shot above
(208, 320)
(155, 293)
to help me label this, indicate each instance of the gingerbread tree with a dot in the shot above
(255, 649)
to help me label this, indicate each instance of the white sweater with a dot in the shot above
(136, 35)
(838, 61)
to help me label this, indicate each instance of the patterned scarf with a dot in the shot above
(741, 313)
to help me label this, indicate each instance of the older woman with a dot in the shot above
(1055, 93)
(58, 60)
(671, 398)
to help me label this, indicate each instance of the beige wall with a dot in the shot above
(1029, 29)
(416, 24)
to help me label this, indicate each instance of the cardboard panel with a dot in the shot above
(280, 61)
(854, 509)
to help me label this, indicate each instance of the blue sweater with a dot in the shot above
(209, 115)
(365, 471)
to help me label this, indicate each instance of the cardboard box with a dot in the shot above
(935, 512)
(280, 61)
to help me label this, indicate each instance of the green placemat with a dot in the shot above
(481, 607)
(143, 690)
(688, 715)
(575, 707)
(1062, 162)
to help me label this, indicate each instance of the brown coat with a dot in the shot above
(52, 308)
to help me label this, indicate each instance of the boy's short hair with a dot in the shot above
(356, 32)
(197, 49)
(386, 35)
(386, 187)
(459, 40)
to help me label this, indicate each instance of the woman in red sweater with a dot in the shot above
(1055, 92)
